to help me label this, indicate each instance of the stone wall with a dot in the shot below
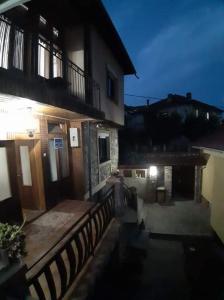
(99, 172)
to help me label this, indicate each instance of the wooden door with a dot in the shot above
(10, 209)
(25, 159)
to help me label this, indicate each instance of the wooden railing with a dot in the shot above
(68, 258)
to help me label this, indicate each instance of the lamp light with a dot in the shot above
(153, 172)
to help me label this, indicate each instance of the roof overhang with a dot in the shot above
(9, 4)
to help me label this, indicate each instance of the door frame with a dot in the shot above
(38, 196)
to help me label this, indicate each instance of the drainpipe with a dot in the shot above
(89, 160)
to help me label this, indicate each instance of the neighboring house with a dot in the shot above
(62, 68)
(161, 135)
(213, 178)
(183, 105)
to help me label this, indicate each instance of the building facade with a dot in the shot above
(62, 68)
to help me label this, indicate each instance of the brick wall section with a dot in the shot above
(168, 182)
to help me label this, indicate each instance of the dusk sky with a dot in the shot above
(177, 46)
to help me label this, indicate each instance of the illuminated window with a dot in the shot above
(43, 58)
(207, 116)
(18, 53)
(140, 173)
(57, 62)
(5, 28)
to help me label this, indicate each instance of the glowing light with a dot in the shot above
(153, 172)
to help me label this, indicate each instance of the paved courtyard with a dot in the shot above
(183, 218)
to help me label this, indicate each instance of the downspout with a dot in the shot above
(89, 161)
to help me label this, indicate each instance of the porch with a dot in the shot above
(62, 242)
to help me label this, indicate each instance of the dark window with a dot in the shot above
(104, 147)
(127, 173)
(111, 86)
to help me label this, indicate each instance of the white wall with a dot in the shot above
(102, 57)
(75, 45)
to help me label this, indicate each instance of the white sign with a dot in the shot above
(74, 137)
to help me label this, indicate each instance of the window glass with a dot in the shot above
(104, 147)
(127, 173)
(25, 165)
(57, 62)
(110, 85)
(18, 55)
(53, 161)
(4, 42)
(43, 58)
(5, 189)
(64, 161)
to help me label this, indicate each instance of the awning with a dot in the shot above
(8, 4)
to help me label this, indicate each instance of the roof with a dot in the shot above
(108, 30)
(214, 141)
(144, 160)
(173, 100)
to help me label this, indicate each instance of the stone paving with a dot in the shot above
(181, 218)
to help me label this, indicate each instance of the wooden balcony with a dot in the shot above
(59, 82)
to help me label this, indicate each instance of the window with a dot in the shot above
(104, 146)
(57, 62)
(111, 85)
(127, 173)
(140, 173)
(5, 188)
(207, 115)
(196, 113)
(18, 54)
(43, 58)
(4, 42)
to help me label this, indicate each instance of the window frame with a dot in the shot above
(108, 143)
(111, 82)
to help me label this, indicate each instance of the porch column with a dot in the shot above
(197, 183)
(168, 182)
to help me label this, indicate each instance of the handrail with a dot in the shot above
(78, 247)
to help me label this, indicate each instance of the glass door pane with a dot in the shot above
(25, 165)
(53, 161)
(5, 189)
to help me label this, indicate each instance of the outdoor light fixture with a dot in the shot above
(29, 120)
(153, 172)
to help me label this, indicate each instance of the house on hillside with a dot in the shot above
(62, 68)
(161, 135)
(212, 191)
(183, 105)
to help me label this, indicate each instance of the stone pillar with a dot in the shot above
(168, 182)
(197, 183)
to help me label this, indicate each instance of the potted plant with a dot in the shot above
(12, 243)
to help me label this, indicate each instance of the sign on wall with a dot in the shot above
(74, 137)
(58, 143)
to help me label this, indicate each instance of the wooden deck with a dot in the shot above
(44, 232)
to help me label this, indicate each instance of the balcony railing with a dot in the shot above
(63, 263)
(51, 64)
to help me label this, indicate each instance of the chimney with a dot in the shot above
(147, 101)
(188, 96)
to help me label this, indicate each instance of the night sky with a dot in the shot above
(177, 46)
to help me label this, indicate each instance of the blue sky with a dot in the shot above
(177, 46)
